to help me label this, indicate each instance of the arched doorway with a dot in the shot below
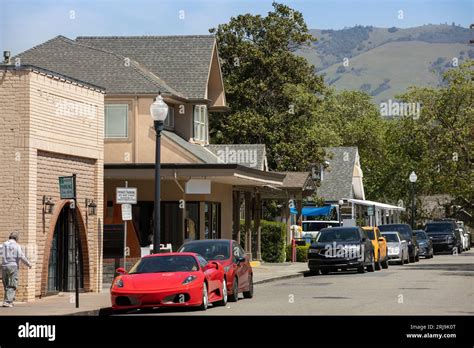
(61, 268)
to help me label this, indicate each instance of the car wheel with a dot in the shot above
(249, 292)
(314, 271)
(325, 271)
(223, 302)
(378, 264)
(361, 269)
(234, 297)
(385, 262)
(371, 267)
(205, 298)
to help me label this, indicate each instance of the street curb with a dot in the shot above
(288, 276)
(96, 312)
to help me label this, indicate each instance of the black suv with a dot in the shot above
(341, 248)
(445, 236)
(406, 233)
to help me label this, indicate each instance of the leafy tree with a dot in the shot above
(264, 81)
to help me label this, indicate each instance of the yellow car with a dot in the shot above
(380, 247)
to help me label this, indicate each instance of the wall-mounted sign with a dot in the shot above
(66, 187)
(126, 195)
(198, 186)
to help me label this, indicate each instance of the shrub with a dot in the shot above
(273, 239)
(301, 253)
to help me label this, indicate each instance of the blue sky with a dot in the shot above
(25, 23)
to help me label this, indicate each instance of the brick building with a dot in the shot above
(50, 126)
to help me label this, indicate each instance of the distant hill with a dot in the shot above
(385, 61)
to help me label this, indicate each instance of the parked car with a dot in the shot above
(407, 234)
(380, 247)
(311, 228)
(397, 247)
(445, 236)
(465, 237)
(169, 280)
(467, 233)
(230, 255)
(341, 248)
(425, 243)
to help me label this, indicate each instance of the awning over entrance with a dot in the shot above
(314, 211)
(376, 204)
(232, 174)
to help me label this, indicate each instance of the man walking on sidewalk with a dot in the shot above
(12, 255)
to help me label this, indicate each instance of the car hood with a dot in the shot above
(157, 281)
(393, 244)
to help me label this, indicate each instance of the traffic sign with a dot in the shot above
(126, 195)
(370, 210)
(66, 187)
(126, 212)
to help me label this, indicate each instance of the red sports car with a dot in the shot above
(170, 279)
(231, 256)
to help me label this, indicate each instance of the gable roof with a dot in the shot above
(182, 61)
(96, 66)
(249, 155)
(301, 181)
(337, 177)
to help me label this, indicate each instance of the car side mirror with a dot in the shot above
(121, 270)
(241, 259)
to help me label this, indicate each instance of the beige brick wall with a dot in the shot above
(48, 127)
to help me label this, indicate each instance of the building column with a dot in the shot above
(299, 207)
(248, 225)
(258, 228)
(236, 216)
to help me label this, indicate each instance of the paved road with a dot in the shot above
(442, 285)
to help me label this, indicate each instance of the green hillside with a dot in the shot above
(385, 61)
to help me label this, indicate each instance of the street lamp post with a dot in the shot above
(158, 112)
(340, 204)
(413, 179)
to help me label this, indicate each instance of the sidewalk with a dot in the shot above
(92, 303)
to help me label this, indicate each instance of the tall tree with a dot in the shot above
(263, 81)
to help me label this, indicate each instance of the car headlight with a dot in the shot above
(119, 283)
(189, 279)
(450, 239)
(227, 268)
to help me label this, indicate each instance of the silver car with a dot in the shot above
(397, 247)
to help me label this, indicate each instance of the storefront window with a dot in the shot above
(191, 221)
(212, 222)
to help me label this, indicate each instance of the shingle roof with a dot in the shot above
(182, 61)
(298, 180)
(110, 70)
(198, 151)
(249, 155)
(337, 177)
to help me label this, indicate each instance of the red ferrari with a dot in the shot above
(171, 280)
